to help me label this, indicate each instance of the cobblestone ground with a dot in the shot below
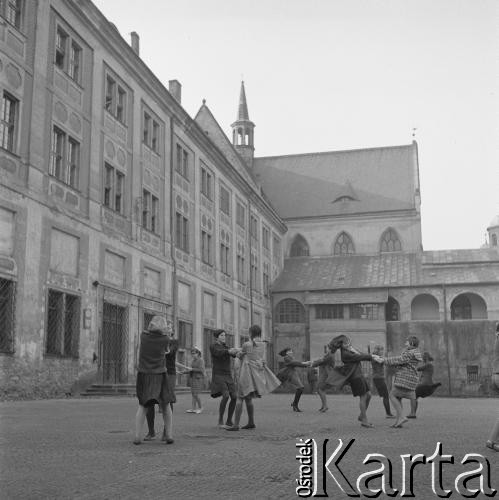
(82, 448)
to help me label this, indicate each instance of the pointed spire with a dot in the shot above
(243, 106)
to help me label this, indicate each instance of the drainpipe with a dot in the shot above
(446, 339)
(172, 231)
(249, 261)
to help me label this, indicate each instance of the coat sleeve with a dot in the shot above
(350, 357)
(219, 351)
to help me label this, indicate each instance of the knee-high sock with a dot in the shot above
(386, 404)
(150, 419)
(251, 411)
(298, 394)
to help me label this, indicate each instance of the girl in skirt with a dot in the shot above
(289, 374)
(426, 387)
(152, 385)
(352, 372)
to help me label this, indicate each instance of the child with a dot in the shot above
(196, 374)
(254, 377)
(312, 379)
(426, 387)
(288, 374)
(352, 370)
(326, 368)
(406, 378)
(379, 380)
(152, 386)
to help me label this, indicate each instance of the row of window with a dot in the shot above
(343, 245)
(11, 11)
(423, 307)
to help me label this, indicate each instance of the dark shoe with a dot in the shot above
(169, 441)
(411, 416)
(249, 426)
(295, 408)
(233, 428)
(492, 446)
(150, 437)
(229, 424)
(324, 410)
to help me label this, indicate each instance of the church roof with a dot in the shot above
(310, 185)
(205, 119)
(388, 270)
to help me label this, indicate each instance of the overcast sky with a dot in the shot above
(327, 75)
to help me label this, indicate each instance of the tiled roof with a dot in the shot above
(306, 185)
(383, 271)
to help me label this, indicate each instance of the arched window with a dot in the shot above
(299, 247)
(392, 310)
(343, 245)
(390, 241)
(494, 240)
(290, 311)
(468, 306)
(424, 306)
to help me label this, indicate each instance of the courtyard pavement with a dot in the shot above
(82, 448)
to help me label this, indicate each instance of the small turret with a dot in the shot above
(242, 130)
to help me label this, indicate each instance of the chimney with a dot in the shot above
(175, 90)
(135, 42)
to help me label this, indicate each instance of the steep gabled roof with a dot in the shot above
(205, 119)
(386, 270)
(306, 185)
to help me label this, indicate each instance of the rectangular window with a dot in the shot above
(254, 272)
(120, 105)
(225, 259)
(182, 163)
(206, 183)
(7, 310)
(65, 161)
(155, 214)
(181, 232)
(240, 268)
(206, 250)
(75, 62)
(63, 324)
(266, 279)
(329, 311)
(114, 183)
(115, 100)
(240, 215)
(61, 42)
(224, 200)
(73, 162)
(146, 207)
(184, 334)
(472, 374)
(155, 137)
(11, 10)
(146, 131)
(253, 227)
(118, 195)
(265, 238)
(364, 311)
(10, 108)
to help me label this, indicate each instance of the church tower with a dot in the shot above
(242, 131)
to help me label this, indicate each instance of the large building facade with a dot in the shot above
(114, 205)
